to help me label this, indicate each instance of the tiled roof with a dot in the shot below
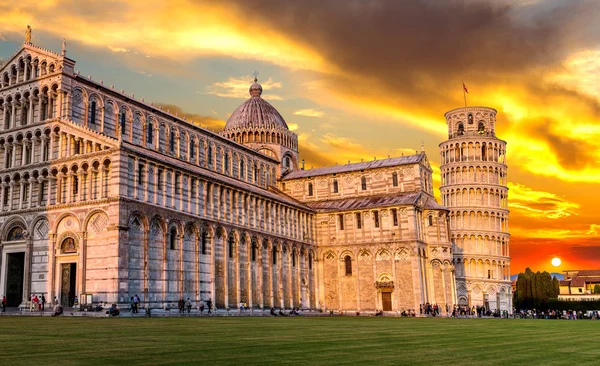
(589, 272)
(402, 160)
(564, 283)
(360, 203)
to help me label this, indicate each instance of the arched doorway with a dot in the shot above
(68, 273)
(13, 266)
(385, 288)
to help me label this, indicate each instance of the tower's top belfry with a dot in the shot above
(471, 121)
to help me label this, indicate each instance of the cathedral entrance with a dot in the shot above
(386, 300)
(15, 274)
(67, 284)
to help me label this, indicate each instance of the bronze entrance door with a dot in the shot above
(14, 278)
(386, 301)
(67, 283)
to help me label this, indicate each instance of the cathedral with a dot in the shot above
(104, 196)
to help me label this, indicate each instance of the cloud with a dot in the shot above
(309, 113)
(539, 204)
(117, 49)
(238, 88)
(209, 122)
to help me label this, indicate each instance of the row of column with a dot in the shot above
(43, 111)
(27, 152)
(219, 202)
(458, 198)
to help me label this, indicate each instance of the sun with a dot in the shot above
(556, 261)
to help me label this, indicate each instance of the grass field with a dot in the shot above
(307, 341)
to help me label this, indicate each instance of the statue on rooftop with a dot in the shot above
(28, 35)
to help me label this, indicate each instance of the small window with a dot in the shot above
(241, 168)
(274, 256)
(395, 216)
(123, 123)
(348, 265)
(430, 220)
(363, 183)
(395, 179)
(231, 246)
(310, 261)
(173, 239)
(470, 119)
(341, 221)
(294, 258)
(461, 129)
(75, 184)
(172, 142)
(141, 174)
(253, 254)
(204, 242)
(149, 133)
(310, 189)
(192, 150)
(358, 220)
(335, 186)
(376, 218)
(210, 155)
(489, 274)
(160, 180)
(226, 163)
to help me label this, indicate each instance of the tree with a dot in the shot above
(597, 289)
(534, 289)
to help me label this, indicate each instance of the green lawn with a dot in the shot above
(302, 340)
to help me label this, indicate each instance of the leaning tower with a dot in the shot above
(473, 187)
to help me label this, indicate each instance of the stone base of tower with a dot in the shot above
(490, 294)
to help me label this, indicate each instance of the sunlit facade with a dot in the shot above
(474, 188)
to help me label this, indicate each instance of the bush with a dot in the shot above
(556, 304)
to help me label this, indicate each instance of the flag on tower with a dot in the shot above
(465, 88)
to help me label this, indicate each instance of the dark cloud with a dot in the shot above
(404, 44)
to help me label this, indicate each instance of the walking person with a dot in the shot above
(43, 302)
(188, 305)
(4, 304)
(201, 306)
(136, 304)
(209, 304)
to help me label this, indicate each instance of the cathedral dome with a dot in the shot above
(255, 113)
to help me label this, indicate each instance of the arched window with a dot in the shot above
(192, 150)
(149, 133)
(123, 119)
(470, 119)
(93, 113)
(226, 163)
(172, 142)
(310, 260)
(395, 179)
(210, 155)
(231, 246)
(293, 258)
(310, 189)
(335, 186)
(274, 255)
(461, 129)
(241, 168)
(430, 220)
(481, 128)
(483, 152)
(253, 256)
(348, 265)
(363, 183)
(172, 239)
(68, 246)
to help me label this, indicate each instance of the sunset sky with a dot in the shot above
(358, 79)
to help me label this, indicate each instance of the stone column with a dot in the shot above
(2, 189)
(31, 182)
(14, 154)
(11, 195)
(81, 265)
(30, 110)
(13, 115)
(59, 105)
(49, 198)
(27, 270)
(259, 273)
